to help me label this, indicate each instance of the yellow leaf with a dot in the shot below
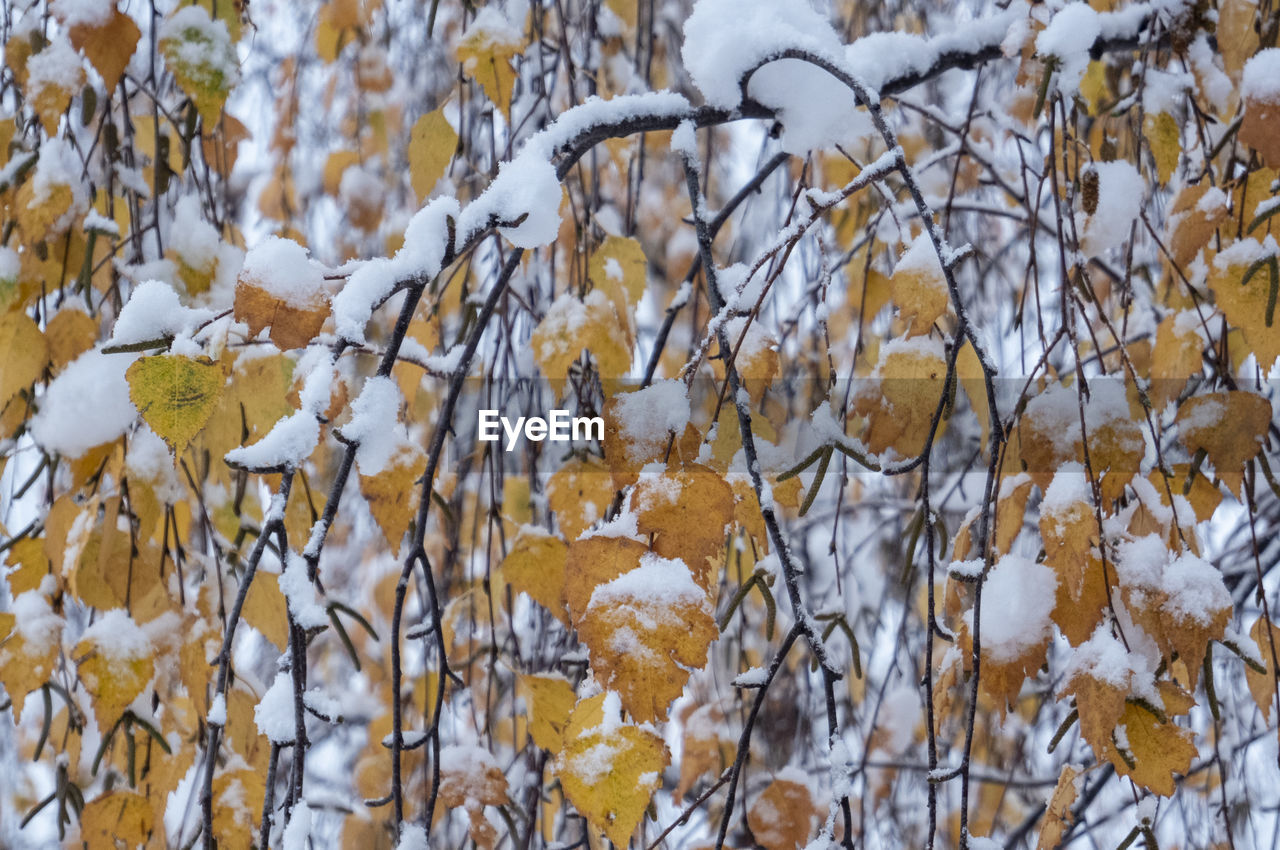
(1058, 816)
(432, 142)
(1164, 138)
(29, 654)
(69, 334)
(593, 562)
(550, 700)
(1176, 357)
(199, 52)
(973, 381)
(619, 268)
(535, 565)
(645, 630)
(1237, 36)
(918, 287)
(1069, 528)
(579, 493)
(867, 295)
(50, 93)
(1183, 605)
(689, 510)
(1263, 685)
(755, 356)
(29, 566)
(222, 146)
(784, 816)
(902, 396)
(572, 325)
(471, 780)
(1011, 508)
(334, 167)
(114, 664)
(24, 353)
(175, 395)
(609, 769)
(1245, 305)
(707, 746)
(237, 805)
(1013, 647)
(1158, 748)
(486, 53)
(109, 44)
(1229, 427)
(265, 609)
(117, 816)
(1193, 220)
(393, 495)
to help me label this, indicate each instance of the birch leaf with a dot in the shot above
(175, 395)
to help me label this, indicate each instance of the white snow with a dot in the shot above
(1070, 486)
(1120, 196)
(154, 312)
(526, 190)
(289, 442)
(1260, 82)
(59, 165)
(413, 837)
(375, 424)
(1103, 657)
(10, 264)
(1067, 38)
(300, 594)
(117, 638)
(282, 268)
(658, 580)
(57, 65)
(199, 43)
(86, 405)
(148, 459)
(425, 245)
(646, 417)
(274, 712)
(91, 13)
(218, 711)
(1017, 599)
(1195, 588)
(297, 832)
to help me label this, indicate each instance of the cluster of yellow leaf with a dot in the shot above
(1084, 453)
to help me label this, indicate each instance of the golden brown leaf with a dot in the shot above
(393, 495)
(645, 630)
(1245, 305)
(486, 54)
(1058, 817)
(1263, 685)
(579, 493)
(117, 816)
(688, 509)
(108, 45)
(1229, 427)
(902, 397)
(594, 561)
